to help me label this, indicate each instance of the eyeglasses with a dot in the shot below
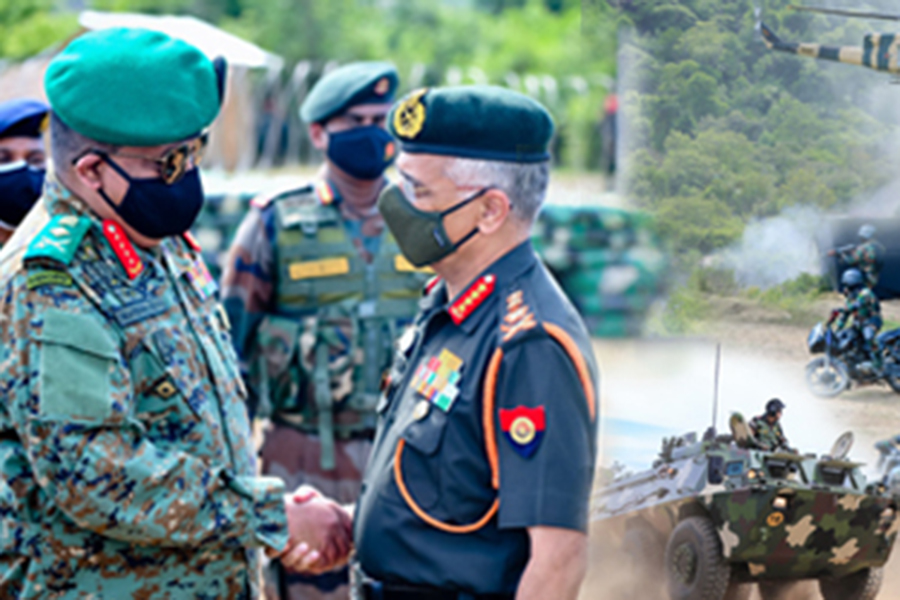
(173, 164)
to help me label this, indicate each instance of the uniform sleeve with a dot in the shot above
(546, 481)
(248, 280)
(70, 401)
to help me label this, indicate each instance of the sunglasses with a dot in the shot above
(173, 164)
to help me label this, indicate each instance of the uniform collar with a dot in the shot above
(470, 307)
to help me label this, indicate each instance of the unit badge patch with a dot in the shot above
(523, 427)
(438, 379)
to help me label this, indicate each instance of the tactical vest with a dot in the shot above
(336, 319)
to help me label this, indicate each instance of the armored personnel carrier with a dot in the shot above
(714, 516)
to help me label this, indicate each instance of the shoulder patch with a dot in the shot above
(264, 200)
(59, 239)
(38, 279)
(518, 318)
(305, 211)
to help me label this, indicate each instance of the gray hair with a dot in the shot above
(67, 145)
(525, 184)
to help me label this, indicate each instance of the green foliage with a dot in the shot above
(529, 44)
(733, 131)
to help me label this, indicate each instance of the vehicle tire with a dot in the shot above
(825, 378)
(776, 590)
(862, 585)
(695, 567)
(892, 365)
(645, 552)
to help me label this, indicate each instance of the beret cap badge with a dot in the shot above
(383, 86)
(409, 118)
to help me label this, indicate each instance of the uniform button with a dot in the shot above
(421, 410)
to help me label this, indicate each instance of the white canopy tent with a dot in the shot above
(233, 140)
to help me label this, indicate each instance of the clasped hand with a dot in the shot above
(320, 533)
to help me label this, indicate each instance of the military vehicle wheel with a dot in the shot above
(695, 568)
(645, 554)
(892, 372)
(776, 590)
(827, 378)
(862, 585)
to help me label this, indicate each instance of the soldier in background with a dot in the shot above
(317, 292)
(23, 160)
(864, 307)
(867, 256)
(767, 429)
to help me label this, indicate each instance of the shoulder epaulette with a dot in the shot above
(264, 200)
(58, 240)
(325, 192)
(431, 284)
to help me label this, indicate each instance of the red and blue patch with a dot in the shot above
(524, 428)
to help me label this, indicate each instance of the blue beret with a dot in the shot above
(348, 86)
(23, 118)
(478, 121)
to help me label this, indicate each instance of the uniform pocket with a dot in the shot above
(77, 361)
(420, 464)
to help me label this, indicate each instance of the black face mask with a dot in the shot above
(420, 234)
(20, 188)
(155, 209)
(362, 152)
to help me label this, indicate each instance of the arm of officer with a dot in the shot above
(546, 443)
(248, 279)
(70, 399)
(557, 565)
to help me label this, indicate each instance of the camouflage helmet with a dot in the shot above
(775, 406)
(867, 231)
(852, 279)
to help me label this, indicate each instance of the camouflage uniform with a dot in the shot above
(866, 312)
(866, 257)
(316, 301)
(125, 449)
(768, 436)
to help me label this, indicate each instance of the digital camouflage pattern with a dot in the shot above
(778, 515)
(864, 308)
(768, 436)
(867, 258)
(127, 464)
(317, 301)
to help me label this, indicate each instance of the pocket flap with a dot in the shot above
(78, 331)
(425, 435)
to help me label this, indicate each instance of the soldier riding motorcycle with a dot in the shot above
(855, 353)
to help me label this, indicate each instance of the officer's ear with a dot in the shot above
(495, 211)
(87, 169)
(318, 136)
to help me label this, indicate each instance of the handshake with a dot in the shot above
(320, 533)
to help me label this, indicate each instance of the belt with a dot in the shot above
(374, 590)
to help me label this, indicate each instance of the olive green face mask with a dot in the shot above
(420, 234)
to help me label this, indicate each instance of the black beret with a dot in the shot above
(480, 121)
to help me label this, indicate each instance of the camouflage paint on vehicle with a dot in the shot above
(778, 515)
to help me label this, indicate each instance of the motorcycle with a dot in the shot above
(846, 361)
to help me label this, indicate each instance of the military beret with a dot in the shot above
(480, 121)
(134, 87)
(348, 86)
(23, 118)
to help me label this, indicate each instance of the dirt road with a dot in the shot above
(652, 388)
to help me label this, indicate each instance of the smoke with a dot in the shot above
(776, 249)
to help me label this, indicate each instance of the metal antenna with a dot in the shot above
(715, 415)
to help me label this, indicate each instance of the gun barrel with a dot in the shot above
(879, 50)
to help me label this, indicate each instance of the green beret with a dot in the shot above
(348, 86)
(134, 87)
(479, 121)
